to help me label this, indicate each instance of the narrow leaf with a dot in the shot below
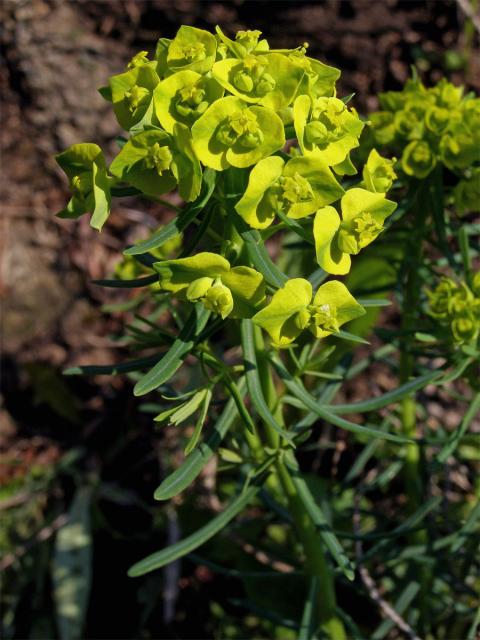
(192, 542)
(253, 380)
(457, 371)
(297, 389)
(468, 528)
(373, 302)
(258, 254)
(112, 369)
(173, 359)
(237, 398)
(296, 227)
(318, 518)
(180, 413)
(345, 335)
(127, 284)
(180, 223)
(317, 277)
(307, 624)
(193, 464)
(200, 422)
(401, 605)
(457, 435)
(412, 521)
(386, 398)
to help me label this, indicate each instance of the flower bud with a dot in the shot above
(316, 133)
(81, 184)
(136, 97)
(198, 288)
(378, 173)
(219, 299)
(302, 319)
(251, 139)
(439, 298)
(464, 328)
(194, 52)
(243, 81)
(437, 119)
(418, 159)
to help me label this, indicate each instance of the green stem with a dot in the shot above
(411, 302)
(408, 409)
(315, 561)
(280, 481)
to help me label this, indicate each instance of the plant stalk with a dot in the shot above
(315, 560)
(408, 407)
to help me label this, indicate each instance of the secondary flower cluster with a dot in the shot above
(457, 307)
(430, 126)
(205, 101)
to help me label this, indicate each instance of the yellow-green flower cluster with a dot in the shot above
(210, 279)
(457, 307)
(430, 126)
(207, 101)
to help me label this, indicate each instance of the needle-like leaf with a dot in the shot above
(181, 222)
(172, 360)
(297, 389)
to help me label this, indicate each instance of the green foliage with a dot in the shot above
(429, 126)
(455, 306)
(248, 260)
(85, 167)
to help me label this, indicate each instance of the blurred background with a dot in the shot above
(82, 444)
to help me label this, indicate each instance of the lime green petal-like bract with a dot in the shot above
(263, 175)
(183, 97)
(319, 78)
(232, 133)
(378, 173)
(356, 201)
(329, 256)
(334, 297)
(269, 79)
(154, 162)
(418, 159)
(176, 275)
(85, 167)
(363, 215)
(325, 187)
(208, 277)
(245, 42)
(283, 318)
(193, 49)
(248, 290)
(132, 94)
(296, 188)
(326, 127)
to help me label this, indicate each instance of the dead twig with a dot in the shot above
(387, 610)
(468, 10)
(15, 501)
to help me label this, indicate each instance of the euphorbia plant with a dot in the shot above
(258, 144)
(435, 133)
